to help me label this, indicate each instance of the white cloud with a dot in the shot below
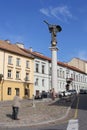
(45, 11)
(62, 13)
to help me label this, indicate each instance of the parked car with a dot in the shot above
(44, 94)
(41, 95)
(38, 96)
(61, 94)
(67, 93)
(83, 91)
(64, 93)
(73, 91)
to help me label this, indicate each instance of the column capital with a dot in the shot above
(55, 48)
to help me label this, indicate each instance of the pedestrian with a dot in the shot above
(53, 94)
(16, 106)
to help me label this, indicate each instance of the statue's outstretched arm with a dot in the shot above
(46, 22)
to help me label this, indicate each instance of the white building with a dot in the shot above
(77, 77)
(65, 73)
(42, 82)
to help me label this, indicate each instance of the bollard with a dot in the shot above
(33, 102)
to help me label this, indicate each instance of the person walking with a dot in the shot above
(16, 106)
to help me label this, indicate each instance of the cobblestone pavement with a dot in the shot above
(30, 113)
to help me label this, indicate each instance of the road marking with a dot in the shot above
(76, 111)
(73, 124)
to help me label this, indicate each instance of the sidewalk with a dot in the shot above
(44, 111)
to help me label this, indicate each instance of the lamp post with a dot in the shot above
(1, 82)
(54, 29)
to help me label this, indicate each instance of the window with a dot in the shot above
(37, 67)
(57, 73)
(17, 91)
(60, 85)
(63, 74)
(60, 72)
(18, 62)
(27, 77)
(27, 64)
(85, 80)
(9, 91)
(76, 77)
(9, 73)
(26, 91)
(43, 82)
(50, 71)
(72, 76)
(17, 75)
(10, 60)
(36, 83)
(81, 78)
(67, 73)
(43, 69)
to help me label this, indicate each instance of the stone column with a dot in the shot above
(54, 67)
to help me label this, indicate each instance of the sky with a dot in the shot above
(22, 21)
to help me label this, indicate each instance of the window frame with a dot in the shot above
(10, 60)
(43, 69)
(17, 61)
(17, 74)
(9, 91)
(37, 67)
(9, 74)
(27, 64)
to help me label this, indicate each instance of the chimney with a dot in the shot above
(21, 45)
(30, 49)
(7, 40)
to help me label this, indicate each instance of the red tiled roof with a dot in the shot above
(13, 49)
(70, 67)
(27, 53)
(36, 54)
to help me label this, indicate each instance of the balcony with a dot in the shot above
(69, 80)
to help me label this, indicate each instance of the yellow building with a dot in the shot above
(16, 71)
(79, 63)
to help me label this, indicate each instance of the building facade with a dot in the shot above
(81, 64)
(68, 77)
(71, 76)
(41, 72)
(29, 73)
(17, 68)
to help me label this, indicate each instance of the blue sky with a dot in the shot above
(22, 21)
